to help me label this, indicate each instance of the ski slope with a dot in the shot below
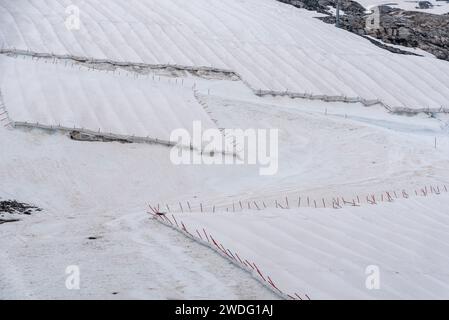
(131, 258)
(325, 253)
(102, 190)
(271, 46)
(119, 103)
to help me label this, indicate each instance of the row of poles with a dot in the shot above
(212, 242)
(301, 202)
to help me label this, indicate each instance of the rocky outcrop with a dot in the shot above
(425, 31)
(15, 207)
(12, 208)
(322, 6)
(390, 48)
(428, 32)
(88, 137)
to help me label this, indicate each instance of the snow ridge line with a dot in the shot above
(233, 75)
(346, 99)
(230, 140)
(19, 124)
(128, 138)
(303, 202)
(87, 60)
(326, 98)
(204, 105)
(4, 116)
(212, 243)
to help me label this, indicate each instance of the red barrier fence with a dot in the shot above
(213, 242)
(291, 202)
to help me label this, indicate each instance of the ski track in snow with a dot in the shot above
(100, 189)
(133, 256)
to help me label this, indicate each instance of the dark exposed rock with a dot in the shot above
(425, 5)
(389, 48)
(413, 29)
(82, 136)
(428, 32)
(14, 207)
(313, 5)
(8, 220)
(322, 6)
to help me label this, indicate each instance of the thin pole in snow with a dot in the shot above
(337, 15)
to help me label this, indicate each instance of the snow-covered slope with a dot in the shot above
(101, 190)
(131, 257)
(270, 45)
(329, 254)
(118, 103)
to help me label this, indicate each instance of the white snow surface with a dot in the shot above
(60, 95)
(270, 44)
(325, 253)
(132, 257)
(102, 190)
